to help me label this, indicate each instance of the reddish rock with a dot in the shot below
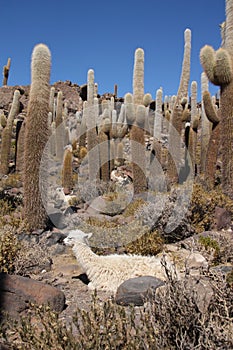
(222, 218)
(17, 292)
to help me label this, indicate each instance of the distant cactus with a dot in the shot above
(92, 140)
(60, 128)
(129, 108)
(138, 77)
(205, 125)
(185, 74)
(6, 70)
(175, 127)
(137, 142)
(67, 170)
(104, 146)
(158, 124)
(36, 137)
(7, 134)
(147, 99)
(192, 143)
(174, 145)
(51, 101)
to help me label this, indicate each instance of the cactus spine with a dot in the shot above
(218, 68)
(36, 137)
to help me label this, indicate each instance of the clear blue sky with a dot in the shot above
(103, 35)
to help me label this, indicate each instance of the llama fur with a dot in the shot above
(106, 273)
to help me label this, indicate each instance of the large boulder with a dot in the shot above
(135, 290)
(17, 292)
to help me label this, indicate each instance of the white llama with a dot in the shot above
(108, 272)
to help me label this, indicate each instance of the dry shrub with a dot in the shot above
(31, 259)
(9, 249)
(170, 319)
(203, 205)
(182, 324)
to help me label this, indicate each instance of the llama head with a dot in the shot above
(75, 236)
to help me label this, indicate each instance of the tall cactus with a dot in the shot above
(157, 131)
(138, 77)
(205, 125)
(60, 128)
(92, 140)
(67, 171)
(218, 68)
(214, 142)
(185, 74)
(175, 127)
(137, 140)
(192, 143)
(36, 137)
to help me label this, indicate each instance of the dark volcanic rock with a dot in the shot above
(135, 290)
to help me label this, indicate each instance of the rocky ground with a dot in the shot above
(47, 260)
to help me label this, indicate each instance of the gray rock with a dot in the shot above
(56, 217)
(135, 290)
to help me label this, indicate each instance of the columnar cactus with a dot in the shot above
(174, 145)
(67, 170)
(60, 128)
(138, 77)
(20, 148)
(192, 143)
(137, 141)
(6, 70)
(83, 127)
(205, 125)
(175, 127)
(51, 101)
(214, 142)
(218, 68)
(158, 122)
(7, 134)
(104, 146)
(185, 74)
(36, 137)
(129, 108)
(92, 139)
